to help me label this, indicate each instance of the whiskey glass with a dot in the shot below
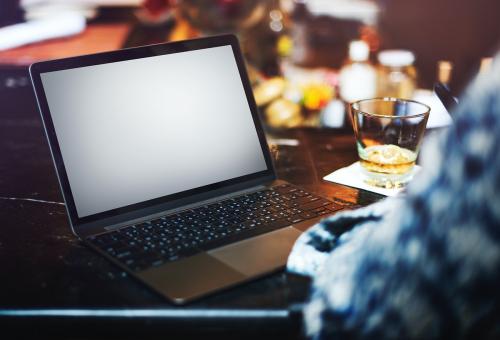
(388, 134)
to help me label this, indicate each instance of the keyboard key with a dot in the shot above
(308, 214)
(316, 204)
(296, 219)
(334, 207)
(123, 254)
(321, 211)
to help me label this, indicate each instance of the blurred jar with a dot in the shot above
(396, 75)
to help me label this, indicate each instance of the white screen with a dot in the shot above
(140, 129)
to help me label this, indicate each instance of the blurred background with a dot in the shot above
(307, 59)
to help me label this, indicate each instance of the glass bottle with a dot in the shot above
(444, 70)
(396, 76)
(357, 78)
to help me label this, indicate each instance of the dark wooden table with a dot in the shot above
(45, 269)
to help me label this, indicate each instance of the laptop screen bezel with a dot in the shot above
(160, 203)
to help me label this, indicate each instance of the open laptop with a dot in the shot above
(164, 166)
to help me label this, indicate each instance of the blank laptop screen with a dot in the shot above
(135, 130)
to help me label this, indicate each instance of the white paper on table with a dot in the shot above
(56, 26)
(352, 176)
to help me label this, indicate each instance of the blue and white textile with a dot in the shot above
(426, 265)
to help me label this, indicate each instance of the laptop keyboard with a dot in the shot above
(182, 234)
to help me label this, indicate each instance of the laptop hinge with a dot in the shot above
(186, 207)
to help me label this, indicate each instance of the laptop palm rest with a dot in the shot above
(260, 254)
(190, 278)
(198, 275)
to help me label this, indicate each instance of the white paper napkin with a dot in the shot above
(353, 177)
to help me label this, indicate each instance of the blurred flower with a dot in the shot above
(285, 45)
(316, 95)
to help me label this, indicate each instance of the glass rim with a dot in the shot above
(391, 99)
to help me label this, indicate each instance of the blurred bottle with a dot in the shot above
(357, 78)
(444, 70)
(333, 115)
(485, 64)
(396, 76)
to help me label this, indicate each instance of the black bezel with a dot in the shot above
(129, 54)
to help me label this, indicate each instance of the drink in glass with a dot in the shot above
(388, 134)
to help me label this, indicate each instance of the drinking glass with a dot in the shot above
(388, 134)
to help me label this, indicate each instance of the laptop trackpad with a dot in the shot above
(260, 254)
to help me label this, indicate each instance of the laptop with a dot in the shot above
(164, 167)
